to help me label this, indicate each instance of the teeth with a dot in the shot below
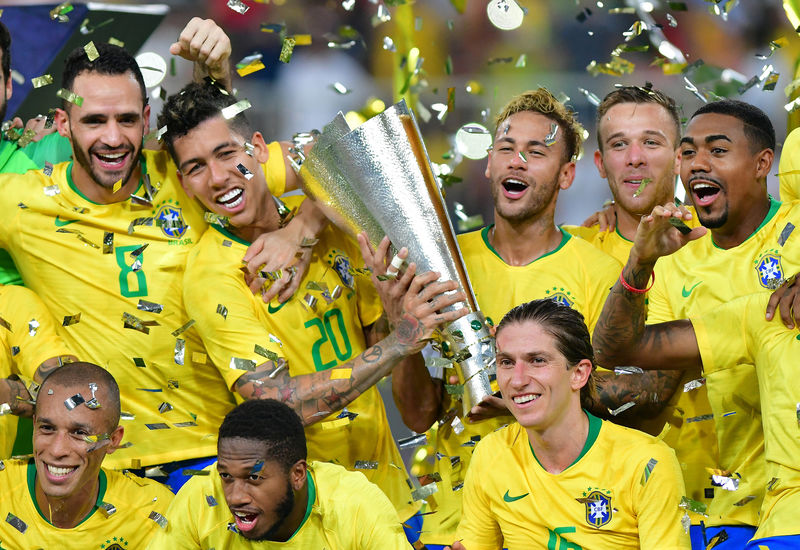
(229, 195)
(512, 180)
(525, 398)
(701, 186)
(56, 471)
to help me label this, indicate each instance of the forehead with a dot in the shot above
(715, 123)
(52, 406)
(627, 116)
(524, 337)
(107, 92)
(527, 126)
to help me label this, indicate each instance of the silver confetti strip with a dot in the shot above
(48, 169)
(264, 352)
(157, 426)
(33, 326)
(16, 523)
(623, 408)
(179, 353)
(146, 221)
(457, 425)
(239, 7)
(72, 402)
(152, 307)
(424, 492)
(785, 233)
(366, 465)
(628, 370)
(222, 310)
(550, 138)
(248, 175)
(5, 409)
(700, 418)
(725, 482)
(108, 242)
(51, 190)
(188, 424)
(165, 407)
(413, 441)
(694, 384)
(159, 519)
(242, 364)
(233, 110)
(107, 509)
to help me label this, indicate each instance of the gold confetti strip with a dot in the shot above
(239, 363)
(745, 500)
(302, 39)
(251, 68)
(91, 51)
(642, 186)
(232, 110)
(693, 506)
(221, 221)
(286, 49)
(108, 242)
(60, 12)
(648, 470)
(116, 42)
(199, 358)
(152, 307)
(183, 329)
(72, 97)
(71, 320)
(264, 352)
(41, 81)
(133, 322)
(147, 221)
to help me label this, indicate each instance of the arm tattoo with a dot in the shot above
(18, 396)
(409, 330)
(650, 391)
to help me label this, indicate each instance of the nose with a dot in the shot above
(236, 493)
(218, 171)
(113, 136)
(636, 156)
(699, 161)
(518, 161)
(518, 375)
(60, 445)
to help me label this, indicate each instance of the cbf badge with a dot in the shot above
(170, 219)
(340, 263)
(770, 270)
(598, 508)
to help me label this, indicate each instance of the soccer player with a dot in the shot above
(63, 495)
(103, 241)
(748, 247)
(313, 351)
(732, 334)
(522, 256)
(788, 171)
(275, 497)
(560, 477)
(29, 343)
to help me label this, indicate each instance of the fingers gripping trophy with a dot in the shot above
(377, 178)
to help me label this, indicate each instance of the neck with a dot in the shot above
(267, 220)
(104, 195)
(735, 232)
(559, 445)
(523, 242)
(295, 518)
(69, 511)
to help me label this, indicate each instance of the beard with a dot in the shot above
(282, 512)
(712, 223)
(539, 197)
(83, 157)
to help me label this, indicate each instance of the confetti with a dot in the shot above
(700, 418)
(264, 352)
(71, 320)
(180, 351)
(165, 407)
(232, 110)
(251, 68)
(239, 7)
(506, 15)
(693, 506)
(745, 500)
(388, 44)
(347, 414)
(41, 81)
(157, 426)
(147, 221)
(155, 516)
(365, 465)
(51, 190)
(72, 402)
(642, 186)
(33, 326)
(382, 16)
(5, 324)
(133, 322)
(772, 483)
(717, 539)
(107, 509)
(91, 51)
(725, 482)
(108, 242)
(221, 221)
(248, 175)
(628, 370)
(242, 364)
(678, 224)
(5, 409)
(182, 329)
(413, 441)
(458, 426)
(16, 523)
(60, 12)
(787, 230)
(622, 409)
(456, 390)
(139, 362)
(424, 491)
(210, 500)
(152, 307)
(286, 49)
(694, 384)
(72, 97)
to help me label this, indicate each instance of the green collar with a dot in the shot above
(773, 209)
(72, 185)
(565, 236)
(32, 490)
(594, 430)
(228, 234)
(312, 496)
(616, 228)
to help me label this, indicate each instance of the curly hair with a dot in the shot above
(637, 94)
(193, 105)
(543, 102)
(271, 423)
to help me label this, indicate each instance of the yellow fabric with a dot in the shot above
(71, 277)
(310, 341)
(737, 333)
(23, 349)
(691, 282)
(275, 169)
(510, 501)
(789, 167)
(576, 274)
(128, 528)
(348, 513)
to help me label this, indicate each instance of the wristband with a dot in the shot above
(629, 288)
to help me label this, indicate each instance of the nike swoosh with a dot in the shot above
(62, 223)
(276, 309)
(687, 292)
(508, 498)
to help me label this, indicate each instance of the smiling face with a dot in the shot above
(524, 173)
(721, 173)
(106, 131)
(66, 448)
(208, 157)
(637, 143)
(262, 499)
(538, 386)
(5, 90)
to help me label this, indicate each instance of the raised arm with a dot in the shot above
(206, 44)
(314, 396)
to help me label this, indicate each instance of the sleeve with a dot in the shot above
(478, 530)
(658, 495)
(658, 306)
(182, 530)
(275, 169)
(20, 307)
(52, 148)
(722, 333)
(210, 282)
(380, 529)
(789, 167)
(598, 285)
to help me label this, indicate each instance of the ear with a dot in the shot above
(297, 473)
(488, 165)
(260, 149)
(62, 123)
(580, 374)
(676, 169)
(9, 87)
(598, 161)
(116, 439)
(146, 115)
(566, 175)
(764, 161)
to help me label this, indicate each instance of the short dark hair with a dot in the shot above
(638, 94)
(566, 326)
(81, 373)
(5, 51)
(271, 423)
(112, 61)
(757, 126)
(193, 105)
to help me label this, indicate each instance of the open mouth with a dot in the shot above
(514, 187)
(231, 199)
(245, 522)
(526, 398)
(704, 193)
(112, 160)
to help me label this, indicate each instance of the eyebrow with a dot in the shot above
(131, 114)
(72, 426)
(531, 142)
(646, 132)
(213, 152)
(708, 139)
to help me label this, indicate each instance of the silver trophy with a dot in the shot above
(377, 178)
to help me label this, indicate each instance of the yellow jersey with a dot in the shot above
(596, 503)
(789, 167)
(697, 278)
(737, 333)
(127, 527)
(345, 512)
(575, 274)
(28, 337)
(321, 327)
(112, 274)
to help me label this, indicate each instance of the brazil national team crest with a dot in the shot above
(170, 219)
(598, 507)
(769, 269)
(560, 296)
(340, 263)
(116, 543)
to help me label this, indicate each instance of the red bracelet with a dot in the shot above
(629, 288)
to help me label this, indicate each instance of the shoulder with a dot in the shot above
(160, 162)
(338, 489)
(586, 233)
(474, 243)
(15, 471)
(633, 446)
(500, 441)
(589, 255)
(136, 490)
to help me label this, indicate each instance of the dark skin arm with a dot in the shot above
(14, 392)
(314, 396)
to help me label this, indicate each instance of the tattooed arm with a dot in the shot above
(314, 396)
(14, 392)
